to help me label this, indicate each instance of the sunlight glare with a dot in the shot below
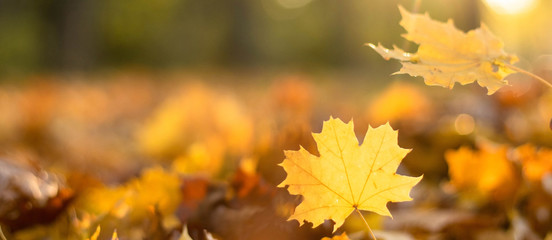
(293, 3)
(511, 6)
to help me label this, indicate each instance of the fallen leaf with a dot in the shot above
(185, 235)
(193, 190)
(143, 201)
(96, 234)
(246, 181)
(196, 114)
(536, 163)
(19, 182)
(451, 223)
(343, 236)
(400, 102)
(200, 158)
(114, 236)
(486, 171)
(447, 55)
(259, 215)
(30, 195)
(346, 176)
(393, 235)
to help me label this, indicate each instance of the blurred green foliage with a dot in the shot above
(89, 35)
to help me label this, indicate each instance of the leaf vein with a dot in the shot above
(323, 184)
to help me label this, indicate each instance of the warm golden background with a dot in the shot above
(151, 117)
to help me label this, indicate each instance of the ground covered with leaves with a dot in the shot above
(197, 156)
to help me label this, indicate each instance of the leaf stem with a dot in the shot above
(367, 226)
(520, 70)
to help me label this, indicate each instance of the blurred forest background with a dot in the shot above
(92, 35)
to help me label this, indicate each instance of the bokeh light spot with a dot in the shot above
(511, 6)
(464, 124)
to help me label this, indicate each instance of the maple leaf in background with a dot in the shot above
(447, 55)
(347, 176)
(536, 163)
(494, 174)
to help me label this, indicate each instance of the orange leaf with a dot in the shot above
(487, 171)
(343, 236)
(536, 163)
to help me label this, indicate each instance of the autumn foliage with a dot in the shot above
(447, 55)
(347, 177)
(206, 159)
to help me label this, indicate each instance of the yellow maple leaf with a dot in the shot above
(447, 55)
(347, 177)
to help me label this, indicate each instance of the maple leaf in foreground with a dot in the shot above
(347, 176)
(447, 55)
